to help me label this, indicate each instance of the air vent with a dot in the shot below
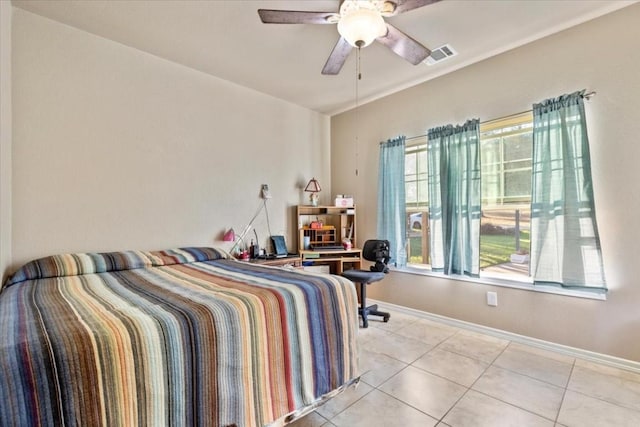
(440, 54)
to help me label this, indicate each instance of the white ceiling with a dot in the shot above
(226, 39)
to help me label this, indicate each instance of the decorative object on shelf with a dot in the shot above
(346, 243)
(316, 225)
(313, 187)
(343, 200)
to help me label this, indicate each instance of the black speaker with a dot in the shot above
(254, 251)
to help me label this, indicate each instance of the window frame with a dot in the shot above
(500, 130)
(500, 282)
(416, 146)
(519, 121)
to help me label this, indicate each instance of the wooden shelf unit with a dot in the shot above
(320, 237)
(338, 223)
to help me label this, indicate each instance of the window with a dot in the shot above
(505, 152)
(556, 183)
(417, 203)
(505, 157)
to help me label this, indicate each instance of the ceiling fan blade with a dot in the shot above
(402, 6)
(404, 46)
(338, 56)
(269, 16)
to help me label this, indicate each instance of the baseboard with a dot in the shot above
(604, 359)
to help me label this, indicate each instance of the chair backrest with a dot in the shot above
(377, 251)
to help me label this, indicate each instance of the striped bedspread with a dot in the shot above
(178, 338)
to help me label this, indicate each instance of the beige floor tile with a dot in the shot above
(376, 368)
(535, 365)
(583, 411)
(613, 389)
(452, 366)
(367, 334)
(397, 320)
(343, 400)
(478, 410)
(429, 393)
(519, 390)
(542, 352)
(476, 346)
(609, 370)
(398, 347)
(311, 420)
(428, 331)
(422, 369)
(381, 410)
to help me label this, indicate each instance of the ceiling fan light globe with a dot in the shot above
(360, 27)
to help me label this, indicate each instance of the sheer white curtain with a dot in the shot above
(565, 245)
(392, 212)
(453, 155)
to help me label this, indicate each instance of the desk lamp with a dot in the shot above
(313, 187)
(229, 236)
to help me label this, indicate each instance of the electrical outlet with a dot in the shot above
(492, 299)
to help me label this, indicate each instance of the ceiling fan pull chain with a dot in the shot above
(358, 78)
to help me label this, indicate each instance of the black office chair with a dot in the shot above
(377, 251)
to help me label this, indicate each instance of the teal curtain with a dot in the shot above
(453, 155)
(392, 212)
(565, 246)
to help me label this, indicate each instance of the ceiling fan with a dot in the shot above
(360, 22)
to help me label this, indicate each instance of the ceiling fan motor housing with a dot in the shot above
(361, 22)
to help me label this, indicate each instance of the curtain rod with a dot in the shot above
(586, 96)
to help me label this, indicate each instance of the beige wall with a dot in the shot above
(5, 136)
(117, 149)
(600, 55)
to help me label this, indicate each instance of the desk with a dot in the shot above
(337, 260)
(291, 260)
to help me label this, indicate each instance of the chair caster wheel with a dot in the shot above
(385, 319)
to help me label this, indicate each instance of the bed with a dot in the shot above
(178, 337)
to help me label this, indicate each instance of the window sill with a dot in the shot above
(498, 280)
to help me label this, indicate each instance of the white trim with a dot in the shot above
(604, 359)
(506, 283)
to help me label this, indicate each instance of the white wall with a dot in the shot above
(600, 55)
(117, 149)
(5, 136)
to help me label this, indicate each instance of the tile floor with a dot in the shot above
(418, 372)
